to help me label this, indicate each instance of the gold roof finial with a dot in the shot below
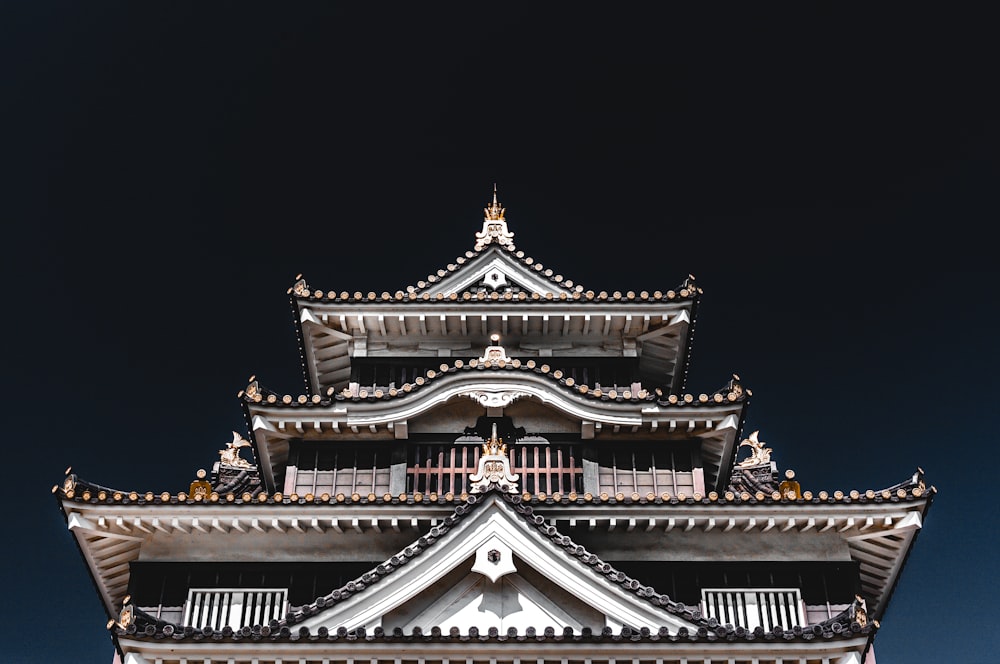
(494, 212)
(494, 226)
(494, 467)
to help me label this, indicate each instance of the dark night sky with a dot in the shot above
(828, 173)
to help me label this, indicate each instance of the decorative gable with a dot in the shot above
(468, 598)
(496, 270)
(494, 568)
(495, 266)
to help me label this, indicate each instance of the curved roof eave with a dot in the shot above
(542, 383)
(347, 610)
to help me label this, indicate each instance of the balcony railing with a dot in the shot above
(754, 607)
(234, 607)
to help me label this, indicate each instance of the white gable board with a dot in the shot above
(540, 582)
(467, 599)
(496, 270)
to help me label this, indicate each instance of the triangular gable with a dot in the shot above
(496, 270)
(521, 599)
(493, 567)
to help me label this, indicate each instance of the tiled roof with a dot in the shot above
(512, 251)
(237, 481)
(226, 481)
(527, 512)
(421, 292)
(81, 491)
(144, 625)
(752, 480)
(733, 391)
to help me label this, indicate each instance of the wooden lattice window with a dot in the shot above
(543, 467)
(333, 469)
(547, 468)
(645, 469)
(440, 468)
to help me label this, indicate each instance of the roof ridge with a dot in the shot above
(732, 392)
(727, 633)
(81, 491)
(688, 289)
(515, 254)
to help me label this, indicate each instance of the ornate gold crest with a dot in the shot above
(494, 212)
(494, 467)
(494, 225)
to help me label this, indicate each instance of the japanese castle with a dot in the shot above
(495, 465)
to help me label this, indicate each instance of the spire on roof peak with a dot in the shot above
(494, 225)
(494, 212)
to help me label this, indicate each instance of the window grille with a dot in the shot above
(234, 607)
(332, 469)
(643, 470)
(547, 468)
(445, 468)
(754, 607)
(440, 468)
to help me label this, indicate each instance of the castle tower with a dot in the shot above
(494, 464)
